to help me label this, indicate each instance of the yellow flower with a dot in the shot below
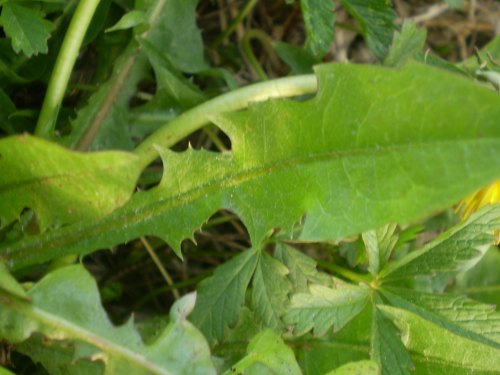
(482, 197)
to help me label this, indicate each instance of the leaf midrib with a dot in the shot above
(138, 213)
(72, 330)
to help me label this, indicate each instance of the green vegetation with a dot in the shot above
(179, 202)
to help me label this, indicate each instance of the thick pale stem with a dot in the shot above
(199, 116)
(64, 66)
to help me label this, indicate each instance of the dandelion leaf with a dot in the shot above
(375, 145)
(65, 305)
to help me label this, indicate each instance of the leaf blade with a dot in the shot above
(66, 305)
(457, 249)
(26, 27)
(331, 165)
(325, 307)
(319, 18)
(221, 296)
(376, 19)
(433, 344)
(270, 289)
(61, 186)
(267, 354)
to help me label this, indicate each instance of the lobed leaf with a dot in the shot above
(183, 92)
(376, 18)
(325, 307)
(386, 347)
(57, 357)
(319, 18)
(65, 305)
(455, 313)
(26, 27)
(270, 288)
(318, 356)
(184, 49)
(221, 296)
(379, 244)
(457, 249)
(266, 354)
(406, 44)
(61, 186)
(432, 345)
(359, 155)
(302, 268)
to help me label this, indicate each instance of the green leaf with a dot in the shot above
(323, 354)
(267, 354)
(319, 17)
(490, 50)
(9, 283)
(7, 107)
(129, 20)
(61, 186)
(462, 316)
(221, 296)
(4, 371)
(455, 4)
(360, 367)
(376, 19)
(325, 307)
(459, 248)
(65, 305)
(236, 340)
(302, 268)
(379, 245)
(386, 347)
(431, 344)
(26, 27)
(184, 49)
(270, 288)
(482, 282)
(57, 357)
(183, 92)
(357, 156)
(299, 59)
(405, 44)
(102, 122)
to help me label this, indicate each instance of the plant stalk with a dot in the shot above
(64, 66)
(236, 21)
(105, 107)
(235, 100)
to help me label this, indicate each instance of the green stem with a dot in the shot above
(341, 271)
(64, 66)
(248, 52)
(234, 23)
(199, 116)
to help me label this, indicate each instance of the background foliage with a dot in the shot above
(156, 218)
